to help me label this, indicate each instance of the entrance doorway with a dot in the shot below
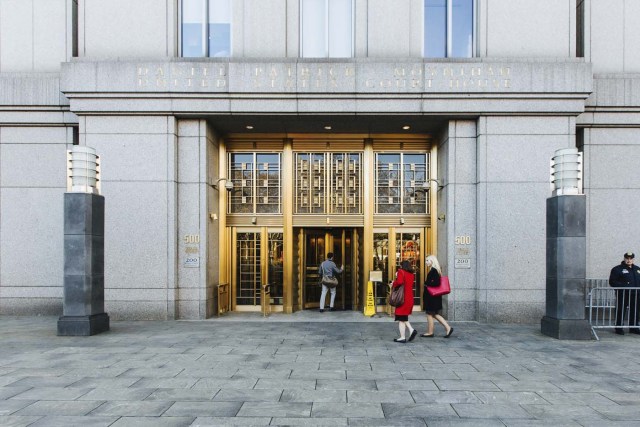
(317, 244)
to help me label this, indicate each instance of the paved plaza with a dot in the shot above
(312, 369)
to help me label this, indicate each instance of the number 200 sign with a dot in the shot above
(463, 240)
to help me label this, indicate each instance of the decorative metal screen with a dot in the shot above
(248, 273)
(401, 183)
(256, 183)
(328, 183)
(414, 176)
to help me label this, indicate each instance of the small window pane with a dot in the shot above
(219, 28)
(340, 32)
(314, 26)
(462, 31)
(435, 28)
(193, 28)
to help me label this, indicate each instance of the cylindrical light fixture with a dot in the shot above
(566, 172)
(83, 170)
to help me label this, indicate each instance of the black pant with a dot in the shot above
(624, 298)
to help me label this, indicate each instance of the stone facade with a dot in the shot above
(108, 74)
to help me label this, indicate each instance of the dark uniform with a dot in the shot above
(624, 276)
(432, 304)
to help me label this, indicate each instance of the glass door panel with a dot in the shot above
(314, 255)
(408, 249)
(381, 263)
(276, 272)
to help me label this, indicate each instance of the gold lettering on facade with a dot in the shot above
(328, 77)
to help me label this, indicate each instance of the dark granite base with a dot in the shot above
(564, 329)
(82, 326)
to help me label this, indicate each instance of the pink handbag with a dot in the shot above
(443, 289)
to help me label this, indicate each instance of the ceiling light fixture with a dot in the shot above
(406, 127)
(327, 127)
(249, 127)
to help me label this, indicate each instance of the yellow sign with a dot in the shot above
(370, 306)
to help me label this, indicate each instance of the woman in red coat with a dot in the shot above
(405, 277)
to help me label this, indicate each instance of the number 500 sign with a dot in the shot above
(462, 240)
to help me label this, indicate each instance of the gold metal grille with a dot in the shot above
(256, 183)
(327, 183)
(402, 183)
(248, 274)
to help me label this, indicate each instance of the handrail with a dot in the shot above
(265, 299)
(389, 307)
(223, 298)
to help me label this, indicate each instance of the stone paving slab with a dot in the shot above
(311, 370)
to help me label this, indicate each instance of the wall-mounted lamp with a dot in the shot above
(441, 217)
(227, 185)
(254, 220)
(426, 183)
(401, 221)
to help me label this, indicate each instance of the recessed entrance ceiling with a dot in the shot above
(327, 124)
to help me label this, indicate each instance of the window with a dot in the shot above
(256, 183)
(206, 28)
(327, 28)
(401, 183)
(328, 183)
(448, 28)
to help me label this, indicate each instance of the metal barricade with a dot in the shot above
(604, 303)
(265, 300)
(223, 298)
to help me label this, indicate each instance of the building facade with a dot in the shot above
(240, 141)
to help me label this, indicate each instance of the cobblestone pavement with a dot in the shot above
(312, 369)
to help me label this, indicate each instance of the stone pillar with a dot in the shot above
(83, 305)
(566, 269)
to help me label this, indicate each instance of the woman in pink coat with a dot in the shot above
(405, 277)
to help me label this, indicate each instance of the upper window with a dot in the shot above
(448, 28)
(206, 28)
(256, 183)
(327, 28)
(401, 183)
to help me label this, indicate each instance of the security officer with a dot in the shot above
(626, 275)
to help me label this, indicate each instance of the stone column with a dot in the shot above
(83, 305)
(566, 269)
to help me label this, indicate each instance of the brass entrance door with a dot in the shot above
(257, 260)
(317, 244)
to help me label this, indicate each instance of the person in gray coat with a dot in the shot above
(329, 269)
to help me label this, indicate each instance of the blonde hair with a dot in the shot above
(434, 263)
